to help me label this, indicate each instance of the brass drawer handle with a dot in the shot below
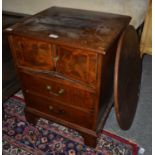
(50, 107)
(49, 89)
(56, 59)
(61, 112)
(61, 91)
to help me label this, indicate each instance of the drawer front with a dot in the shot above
(77, 64)
(59, 90)
(32, 53)
(68, 62)
(58, 110)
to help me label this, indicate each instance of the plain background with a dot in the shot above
(134, 8)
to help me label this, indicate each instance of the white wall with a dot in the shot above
(135, 8)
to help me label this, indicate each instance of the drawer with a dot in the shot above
(72, 63)
(58, 110)
(33, 54)
(77, 64)
(59, 90)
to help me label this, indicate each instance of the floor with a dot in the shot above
(141, 130)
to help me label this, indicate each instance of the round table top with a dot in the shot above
(127, 77)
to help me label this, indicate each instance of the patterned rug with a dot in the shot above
(49, 138)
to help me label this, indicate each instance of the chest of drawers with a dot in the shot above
(65, 59)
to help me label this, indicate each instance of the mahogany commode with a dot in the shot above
(65, 59)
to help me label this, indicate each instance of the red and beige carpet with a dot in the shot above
(49, 138)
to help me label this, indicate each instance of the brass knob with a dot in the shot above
(50, 107)
(61, 91)
(62, 112)
(27, 91)
(48, 87)
(56, 58)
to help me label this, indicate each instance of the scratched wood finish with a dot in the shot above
(77, 28)
(65, 59)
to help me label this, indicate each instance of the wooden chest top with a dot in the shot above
(94, 31)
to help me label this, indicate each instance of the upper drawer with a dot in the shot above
(32, 53)
(72, 63)
(77, 64)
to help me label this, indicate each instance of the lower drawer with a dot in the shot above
(60, 90)
(58, 110)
